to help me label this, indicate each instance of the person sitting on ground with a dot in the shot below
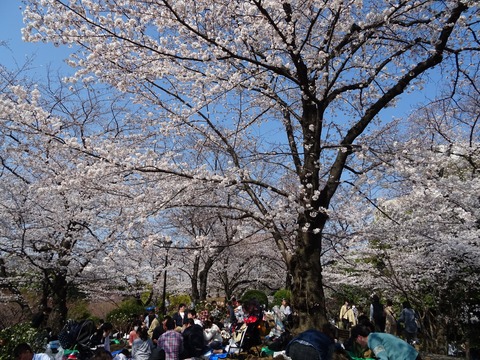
(213, 335)
(384, 346)
(124, 354)
(107, 329)
(142, 346)
(23, 351)
(285, 308)
(313, 344)
(192, 314)
(153, 323)
(340, 354)
(157, 354)
(137, 324)
(239, 311)
(171, 341)
(193, 340)
(159, 330)
(353, 348)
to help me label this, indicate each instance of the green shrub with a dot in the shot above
(176, 300)
(281, 294)
(79, 310)
(122, 317)
(260, 296)
(20, 333)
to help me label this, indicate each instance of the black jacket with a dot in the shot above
(193, 342)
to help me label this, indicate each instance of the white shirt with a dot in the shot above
(41, 356)
(286, 310)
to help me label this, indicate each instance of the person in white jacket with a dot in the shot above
(212, 334)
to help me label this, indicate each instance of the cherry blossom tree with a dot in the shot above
(55, 220)
(207, 234)
(423, 242)
(276, 98)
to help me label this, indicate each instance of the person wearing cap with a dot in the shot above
(384, 346)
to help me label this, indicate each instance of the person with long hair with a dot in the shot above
(142, 346)
(407, 316)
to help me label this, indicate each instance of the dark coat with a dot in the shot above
(178, 319)
(193, 342)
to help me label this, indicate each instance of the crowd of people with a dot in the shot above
(371, 335)
(180, 336)
(186, 334)
(384, 318)
(382, 332)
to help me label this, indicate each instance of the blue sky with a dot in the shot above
(16, 52)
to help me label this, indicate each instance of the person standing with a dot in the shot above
(377, 314)
(390, 320)
(351, 319)
(231, 313)
(180, 317)
(343, 312)
(407, 316)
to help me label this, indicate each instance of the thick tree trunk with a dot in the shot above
(194, 280)
(308, 297)
(203, 278)
(59, 291)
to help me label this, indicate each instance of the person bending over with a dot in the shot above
(384, 346)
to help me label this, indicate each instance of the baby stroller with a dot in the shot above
(248, 334)
(76, 337)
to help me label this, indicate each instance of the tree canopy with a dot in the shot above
(264, 108)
